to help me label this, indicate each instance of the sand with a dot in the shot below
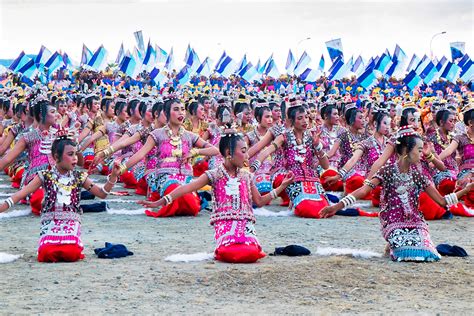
(147, 284)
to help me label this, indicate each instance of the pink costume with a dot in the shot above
(214, 139)
(233, 217)
(262, 176)
(403, 225)
(447, 178)
(171, 171)
(306, 192)
(61, 213)
(328, 138)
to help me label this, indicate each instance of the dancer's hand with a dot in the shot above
(116, 168)
(289, 177)
(99, 158)
(427, 148)
(316, 134)
(152, 204)
(328, 211)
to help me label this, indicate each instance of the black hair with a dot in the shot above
(19, 109)
(6, 105)
(259, 110)
(468, 117)
(89, 100)
(105, 104)
(408, 142)
(442, 116)
(327, 111)
(57, 149)
(157, 109)
(350, 115)
(192, 107)
(119, 105)
(220, 111)
(142, 107)
(283, 110)
(378, 118)
(132, 105)
(39, 111)
(292, 111)
(167, 107)
(239, 107)
(229, 141)
(203, 99)
(272, 105)
(405, 113)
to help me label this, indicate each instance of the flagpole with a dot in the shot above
(431, 42)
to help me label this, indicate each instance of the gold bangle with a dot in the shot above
(194, 152)
(123, 168)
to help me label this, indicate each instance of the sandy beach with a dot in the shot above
(147, 284)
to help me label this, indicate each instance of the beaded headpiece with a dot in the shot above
(405, 131)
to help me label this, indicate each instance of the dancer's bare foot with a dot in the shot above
(387, 251)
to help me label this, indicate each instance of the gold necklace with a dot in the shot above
(440, 141)
(176, 141)
(68, 188)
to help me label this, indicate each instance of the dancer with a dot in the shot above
(60, 235)
(233, 193)
(403, 225)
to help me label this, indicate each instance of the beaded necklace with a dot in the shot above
(440, 140)
(379, 147)
(175, 141)
(232, 187)
(300, 149)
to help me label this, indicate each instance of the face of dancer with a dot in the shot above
(384, 127)
(149, 116)
(276, 113)
(359, 121)
(334, 117)
(162, 118)
(69, 159)
(267, 119)
(312, 114)
(95, 106)
(393, 112)
(200, 112)
(177, 114)
(51, 116)
(413, 121)
(207, 105)
(449, 124)
(123, 115)
(414, 155)
(301, 121)
(62, 108)
(110, 110)
(240, 154)
(136, 113)
(246, 116)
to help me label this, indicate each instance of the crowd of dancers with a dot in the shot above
(410, 155)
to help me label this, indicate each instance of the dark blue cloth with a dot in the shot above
(348, 212)
(451, 251)
(292, 251)
(112, 251)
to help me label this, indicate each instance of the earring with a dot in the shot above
(228, 157)
(405, 157)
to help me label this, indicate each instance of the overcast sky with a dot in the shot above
(257, 28)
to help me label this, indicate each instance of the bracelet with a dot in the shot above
(108, 180)
(90, 187)
(104, 190)
(273, 194)
(342, 172)
(123, 168)
(194, 152)
(168, 199)
(348, 200)
(451, 199)
(319, 147)
(430, 157)
(256, 164)
(322, 156)
(370, 184)
(9, 202)
(275, 145)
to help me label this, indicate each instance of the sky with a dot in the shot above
(258, 28)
